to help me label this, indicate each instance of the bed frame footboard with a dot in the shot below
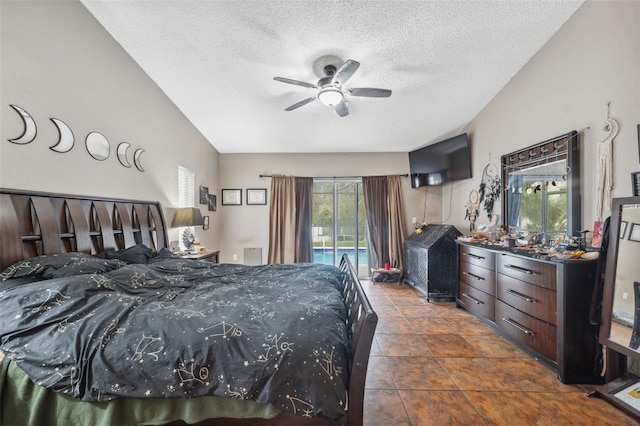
(361, 325)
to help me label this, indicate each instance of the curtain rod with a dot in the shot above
(334, 177)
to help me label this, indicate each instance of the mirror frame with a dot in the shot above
(610, 279)
(562, 147)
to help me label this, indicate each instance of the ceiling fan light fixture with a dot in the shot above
(330, 96)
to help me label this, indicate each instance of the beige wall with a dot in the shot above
(593, 59)
(57, 61)
(248, 226)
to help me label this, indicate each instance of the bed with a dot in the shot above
(101, 324)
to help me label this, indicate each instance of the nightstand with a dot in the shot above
(207, 256)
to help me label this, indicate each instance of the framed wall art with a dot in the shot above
(212, 202)
(204, 195)
(232, 197)
(256, 196)
(635, 183)
(205, 222)
(623, 229)
(634, 232)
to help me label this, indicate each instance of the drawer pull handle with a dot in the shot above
(519, 295)
(475, 256)
(518, 326)
(519, 269)
(473, 299)
(472, 276)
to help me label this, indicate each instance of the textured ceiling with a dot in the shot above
(443, 60)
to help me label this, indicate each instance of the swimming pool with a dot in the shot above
(324, 255)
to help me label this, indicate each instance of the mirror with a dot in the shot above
(620, 328)
(620, 315)
(542, 189)
(98, 146)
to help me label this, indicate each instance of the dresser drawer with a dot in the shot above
(476, 301)
(538, 302)
(480, 278)
(538, 335)
(477, 256)
(527, 270)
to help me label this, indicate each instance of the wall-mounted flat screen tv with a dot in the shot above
(441, 162)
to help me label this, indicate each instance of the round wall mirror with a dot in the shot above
(98, 146)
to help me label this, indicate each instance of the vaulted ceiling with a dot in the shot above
(443, 60)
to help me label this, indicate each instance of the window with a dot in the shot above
(186, 187)
(339, 223)
(186, 198)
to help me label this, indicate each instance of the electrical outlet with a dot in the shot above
(414, 220)
(625, 295)
(235, 256)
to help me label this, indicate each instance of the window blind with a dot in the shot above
(186, 198)
(186, 187)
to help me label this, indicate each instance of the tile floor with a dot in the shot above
(434, 364)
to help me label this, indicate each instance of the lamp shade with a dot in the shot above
(187, 216)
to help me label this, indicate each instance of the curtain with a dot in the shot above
(304, 202)
(514, 201)
(396, 221)
(282, 220)
(375, 191)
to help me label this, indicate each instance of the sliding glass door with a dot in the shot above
(339, 222)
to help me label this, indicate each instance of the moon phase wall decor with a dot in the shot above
(96, 143)
(30, 130)
(122, 154)
(98, 146)
(66, 140)
(136, 159)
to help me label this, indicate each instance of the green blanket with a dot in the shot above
(24, 403)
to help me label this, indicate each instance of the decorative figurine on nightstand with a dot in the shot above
(188, 239)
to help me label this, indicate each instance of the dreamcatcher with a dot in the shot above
(490, 188)
(472, 208)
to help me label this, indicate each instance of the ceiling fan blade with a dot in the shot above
(301, 103)
(370, 92)
(342, 109)
(345, 72)
(296, 82)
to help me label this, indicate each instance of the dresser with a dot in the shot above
(541, 305)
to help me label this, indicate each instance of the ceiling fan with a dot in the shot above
(330, 88)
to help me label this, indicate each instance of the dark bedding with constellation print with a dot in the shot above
(100, 328)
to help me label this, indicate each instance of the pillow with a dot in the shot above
(134, 254)
(163, 254)
(94, 265)
(58, 265)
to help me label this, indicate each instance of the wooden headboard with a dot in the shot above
(37, 223)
